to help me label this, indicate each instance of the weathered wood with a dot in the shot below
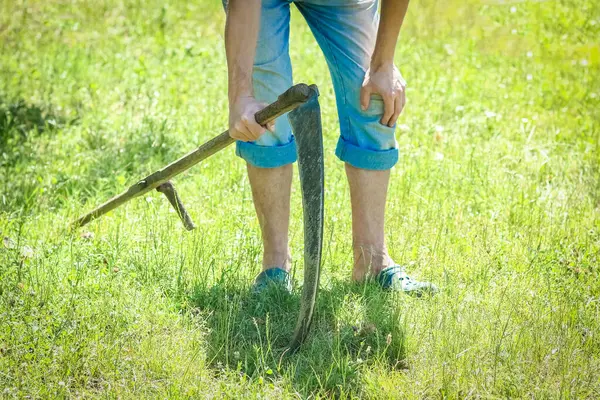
(289, 100)
(170, 193)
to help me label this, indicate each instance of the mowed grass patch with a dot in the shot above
(495, 198)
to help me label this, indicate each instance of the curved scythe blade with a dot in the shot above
(306, 124)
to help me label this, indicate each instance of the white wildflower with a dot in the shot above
(27, 252)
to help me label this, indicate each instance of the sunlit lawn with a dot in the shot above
(496, 198)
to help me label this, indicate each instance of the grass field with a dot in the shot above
(496, 198)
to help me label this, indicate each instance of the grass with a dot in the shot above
(496, 198)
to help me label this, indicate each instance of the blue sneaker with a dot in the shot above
(273, 277)
(394, 278)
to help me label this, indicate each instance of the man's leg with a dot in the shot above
(368, 193)
(271, 189)
(346, 32)
(269, 159)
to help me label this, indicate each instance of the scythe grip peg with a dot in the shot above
(169, 191)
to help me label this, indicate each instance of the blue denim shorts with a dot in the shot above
(346, 31)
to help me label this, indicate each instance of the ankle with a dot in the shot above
(369, 260)
(277, 259)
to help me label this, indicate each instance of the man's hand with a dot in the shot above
(389, 84)
(242, 124)
(383, 77)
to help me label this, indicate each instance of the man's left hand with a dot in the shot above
(390, 85)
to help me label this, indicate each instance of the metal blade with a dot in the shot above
(306, 124)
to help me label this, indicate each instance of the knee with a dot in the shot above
(364, 142)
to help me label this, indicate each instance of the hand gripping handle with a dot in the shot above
(287, 101)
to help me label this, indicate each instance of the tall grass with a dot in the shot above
(496, 199)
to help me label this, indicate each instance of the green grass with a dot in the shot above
(496, 198)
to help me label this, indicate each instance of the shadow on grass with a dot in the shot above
(354, 327)
(21, 125)
(97, 163)
(19, 120)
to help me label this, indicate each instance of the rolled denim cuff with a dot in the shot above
(366, 158)
(267, 156)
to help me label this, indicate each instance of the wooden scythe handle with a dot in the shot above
(287, 101)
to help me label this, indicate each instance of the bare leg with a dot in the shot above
(271, 189)
(368, 192)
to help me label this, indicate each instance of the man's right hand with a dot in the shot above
(242, 124)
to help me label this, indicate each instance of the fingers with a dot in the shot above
(239, 132)
(269, 126)
(242, 121)
(253, 129)
(365, 97)
(388, 109)
(398, 107)
(386, 81)
(244, 126)
(246, 130)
